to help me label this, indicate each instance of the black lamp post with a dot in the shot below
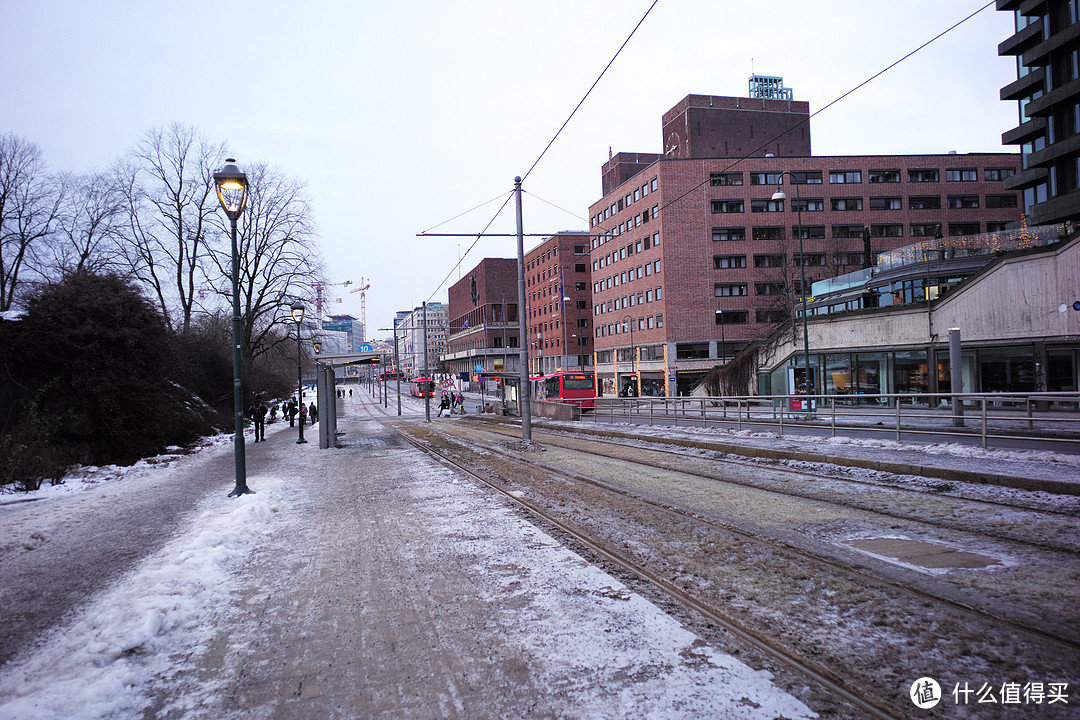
(232, 187)
(298, 317)
(779, 195)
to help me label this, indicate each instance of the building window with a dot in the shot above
(768, 233)
(883, 176)
(996, 226)
(931, 175)
(808, 205)
(733, 317)
(887, 231)
(845, 177)
(580, 267)
(924, 202)
(961, 175)
(727, 206)
(808, 232)
(580, 286)
(769, 316)
(1000, 201)
(957, 229)
(765, 178)
(885, 203)
(806, 178)
(652, 186)
(809, 259)
(763, 206)
(963, 202)
(731, 234)
(728, 262)
(848, 259)
(655, 240)
(769, 288)
(846, 204)
(847, 231)
(656, 266)
(770, 261)
(997, 174)
(924, 229)
(726, 178)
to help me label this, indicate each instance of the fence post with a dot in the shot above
(898, 403)
(983, 422)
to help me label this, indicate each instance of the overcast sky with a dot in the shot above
(401, 116)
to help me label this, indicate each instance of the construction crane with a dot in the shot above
(363, 301)
(319, 294)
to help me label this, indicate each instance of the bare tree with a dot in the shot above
(169, 190)
(279, 261)
(90, 225)
(29, 202)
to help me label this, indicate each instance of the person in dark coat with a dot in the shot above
(313, 413)
(258, 411)
(292, 413)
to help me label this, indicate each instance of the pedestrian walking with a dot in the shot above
(292, 413)
(257, 412)
(444, 404)
(303, 413)
(313, 413)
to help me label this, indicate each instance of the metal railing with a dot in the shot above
(990, 417)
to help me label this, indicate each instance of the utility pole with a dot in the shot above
(524, 391)
(427, 397)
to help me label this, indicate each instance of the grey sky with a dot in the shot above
(400, 116)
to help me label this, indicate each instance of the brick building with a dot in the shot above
(559, 296)
(691, 258)
(484, 325)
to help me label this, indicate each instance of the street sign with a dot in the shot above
(366, 347)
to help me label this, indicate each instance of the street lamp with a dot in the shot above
(232, 187)
(298, 317)
(633, 351)
(723, 340)
(779, 195)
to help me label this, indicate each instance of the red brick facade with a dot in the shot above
(560, 329)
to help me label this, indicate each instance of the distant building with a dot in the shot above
(1047, 91)
(692, 258)
(484, 330)
(350, 326)
(559, 303)
(413, 354)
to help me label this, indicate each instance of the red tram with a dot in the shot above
(576, 388)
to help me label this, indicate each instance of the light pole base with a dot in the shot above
(301, 441)
(241, 490)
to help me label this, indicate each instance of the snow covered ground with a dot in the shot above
(131, 642)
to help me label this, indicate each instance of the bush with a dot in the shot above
(92, 365)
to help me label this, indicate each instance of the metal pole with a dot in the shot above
(524, 391)
(397, 372)
(802, 272)
(956, 377)
(427, 397)
(299, 385)
(238, 392)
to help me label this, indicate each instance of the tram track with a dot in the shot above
(499, 463)
(762, 644)
(1054, 541)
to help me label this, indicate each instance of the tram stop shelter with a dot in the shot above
(326, 389)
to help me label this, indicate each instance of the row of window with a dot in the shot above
(641, 297)
(847, 177)
(625, 202)
(649, 241)
(739, 262)
(811, 232)
(649, 268)
(643, 323)
(852, 204)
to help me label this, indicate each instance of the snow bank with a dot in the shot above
(104, 662)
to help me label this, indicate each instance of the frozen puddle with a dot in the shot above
(922, 555)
